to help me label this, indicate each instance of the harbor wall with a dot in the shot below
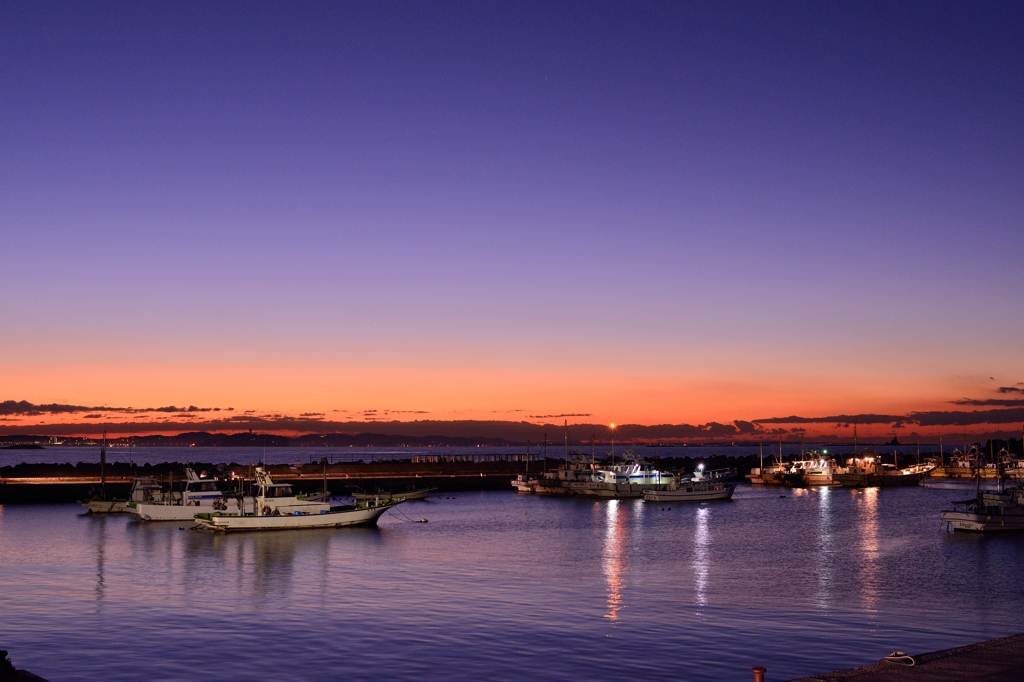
(48, 483)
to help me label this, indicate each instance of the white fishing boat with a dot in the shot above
(522, 483)
(701, 487)
(629, 479)
(989, 511)
(278, 508)
(564, 480)
(144, 489)
(201, 495)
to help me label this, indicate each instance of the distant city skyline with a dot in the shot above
(645, 213)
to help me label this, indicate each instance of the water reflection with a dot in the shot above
(612, 559)
(867, 525)
(701, 556)
(823, 549)
(101, 548)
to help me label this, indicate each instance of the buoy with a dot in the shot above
(181, 527)
(423, 520)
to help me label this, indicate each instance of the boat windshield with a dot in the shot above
(279, 491)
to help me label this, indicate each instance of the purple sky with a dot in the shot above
(687, 209)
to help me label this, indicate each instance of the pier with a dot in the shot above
(996, 660)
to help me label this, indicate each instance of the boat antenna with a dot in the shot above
(593, 459)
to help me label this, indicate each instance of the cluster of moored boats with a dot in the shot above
(222, 505)
(630, 478)
(865, 470)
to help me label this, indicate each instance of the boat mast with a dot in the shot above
(854, 439)
(566, 440)
(103, 468)
(942, 460)
(762, 457)
(611, 430)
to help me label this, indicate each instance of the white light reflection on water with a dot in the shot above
(701, 556)
(867, 525)
(823, 548)
(613, 561)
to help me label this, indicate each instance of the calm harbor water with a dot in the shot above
(507, 586)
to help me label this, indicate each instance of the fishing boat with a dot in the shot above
(405, 496)
(702, 486)
(200, 495)
(629, 479)
(988, 511)
(815, 471)
(278, 508)
(867, 470)
(564, 480)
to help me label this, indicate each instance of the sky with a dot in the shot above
(636, 212)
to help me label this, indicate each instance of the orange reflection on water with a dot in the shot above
(613, 561)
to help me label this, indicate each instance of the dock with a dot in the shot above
(995, 660)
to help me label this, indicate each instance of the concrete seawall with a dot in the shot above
(52, 483)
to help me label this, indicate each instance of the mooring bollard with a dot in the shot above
(759, 672)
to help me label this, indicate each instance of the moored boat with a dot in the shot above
(200, 495)
(867, 471)
(278, 508)
(989, 511)
(701, 487)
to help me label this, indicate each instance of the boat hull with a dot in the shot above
(178, 512)
(983, 523)
(106, 506)
(875, 480)
(619, 491)
(685, 495)
(330, 519)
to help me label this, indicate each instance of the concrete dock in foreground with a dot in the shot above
(996, 660)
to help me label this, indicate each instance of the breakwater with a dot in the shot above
(36, 483)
